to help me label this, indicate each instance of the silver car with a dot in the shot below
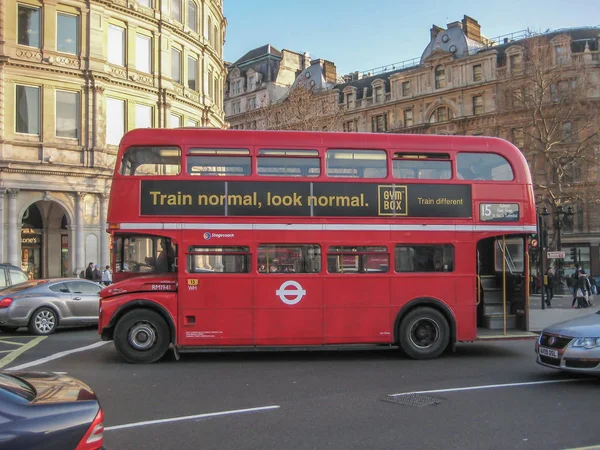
(42, 305)
(573, 346)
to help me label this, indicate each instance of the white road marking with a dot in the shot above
(488, 386)
(196, 416)
(37, 362)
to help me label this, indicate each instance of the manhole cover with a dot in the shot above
(416, 400)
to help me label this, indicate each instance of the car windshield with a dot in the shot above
(21, 286)
(17, 386)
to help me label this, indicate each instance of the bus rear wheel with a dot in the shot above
(142, 336)
(424, 333)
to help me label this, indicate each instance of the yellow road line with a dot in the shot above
(12, 356)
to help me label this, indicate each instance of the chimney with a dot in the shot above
(330, 72)
(471, 28)
(306, 60)
(456, 24)
(435, 30)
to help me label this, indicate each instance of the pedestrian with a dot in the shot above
(582, 290)
(106, 276)
(89, 272)
(549, 286)
(97, 275)
(572, 282)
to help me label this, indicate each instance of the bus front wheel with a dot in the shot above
(424, 333)
(142, 336)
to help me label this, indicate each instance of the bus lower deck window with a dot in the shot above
(350, 259)
(280, 258)
(424, 258)
(218, 259)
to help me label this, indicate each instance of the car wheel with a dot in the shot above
(7, 329)
(142, 336)
(43, 321)
(424, 333)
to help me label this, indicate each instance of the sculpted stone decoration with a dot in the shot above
(12, 193)
(69, 62)
(31, 55)
(117, 72)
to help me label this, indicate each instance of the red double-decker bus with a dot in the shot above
(257, 239)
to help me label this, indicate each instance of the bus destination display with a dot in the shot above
(499, 212)
(249, 198)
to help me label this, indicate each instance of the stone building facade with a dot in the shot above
(74, 77)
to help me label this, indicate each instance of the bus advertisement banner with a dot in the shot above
(249, 198)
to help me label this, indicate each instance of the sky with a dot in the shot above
(359, 35)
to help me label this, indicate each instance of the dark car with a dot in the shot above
(48, 411)
(10, 275)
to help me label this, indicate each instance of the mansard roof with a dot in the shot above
(259, 52)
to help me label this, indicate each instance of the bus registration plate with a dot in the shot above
(549, 352)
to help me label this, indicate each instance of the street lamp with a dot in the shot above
(561, 218)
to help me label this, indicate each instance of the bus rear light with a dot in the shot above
(114, 226)
(94, 437)
(5, 302)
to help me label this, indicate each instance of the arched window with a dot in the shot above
(208, 33)
(216, 89)
(441, 114)
(192, 16)
(440, 77)
(216, 38)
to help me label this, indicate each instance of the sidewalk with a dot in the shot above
(560, 311)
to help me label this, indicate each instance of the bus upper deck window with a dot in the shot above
(288, 163)
(422, 166)
(151, 161)
(483, 166)
(356, 163)
(218, 162)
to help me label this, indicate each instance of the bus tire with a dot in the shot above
(142, 336)
(424, 333)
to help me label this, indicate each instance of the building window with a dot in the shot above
(28, 109)
(378, 94)
(175, 121)
(176, 10)
(216, 38)
(515, 63)
(116, 45)
(518, 137)
(349, 100)
(176, 65)
(477, 72)
(408, 117)
(440, 77)
(146, 3)
(406, 88)
(560, 53)
(379, 123)
(143, 53)
(210, 83)
(252, 82)
(115, 120)
(192, 16)
(567, 132)
(217, 89)
(29, 26)
(191, 123)
(236, 107)
(477, 104)
(441, 114)
(208, 33)
(144, 116)
(192, 73)
(350, 126)
(252, 103)
(67, 114)
(237, 87)
(67, 33)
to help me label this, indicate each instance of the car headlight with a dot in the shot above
(587, 342)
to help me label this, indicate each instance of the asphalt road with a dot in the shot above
(333, 400)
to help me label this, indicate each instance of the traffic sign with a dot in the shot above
(556, 255)
(534, 243)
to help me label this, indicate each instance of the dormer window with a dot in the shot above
(350, 100)
(237, 87)
(440, 77)
(515, 62)
(378, 95)
(252, 82)
(561, 54)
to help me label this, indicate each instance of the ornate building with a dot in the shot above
(74, 77)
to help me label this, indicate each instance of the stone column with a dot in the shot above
(73, 269)
(13, 238)
(79, 224)
(2, 222)
(104, 245)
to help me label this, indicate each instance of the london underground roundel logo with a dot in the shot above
(207, 235)
(290, 296)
